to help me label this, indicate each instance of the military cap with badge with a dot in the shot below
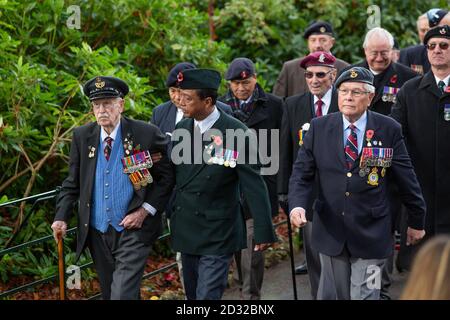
(373, 155)
(136, 163)
(318, 27)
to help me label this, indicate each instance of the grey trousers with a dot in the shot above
(250, 267)
(312, 259)
(119, 258)
(343, 277)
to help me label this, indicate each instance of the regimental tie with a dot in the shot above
(351, 147)
(108, 147)
(319, 108)
(441, 86)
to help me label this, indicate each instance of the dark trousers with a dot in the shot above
(205, 277)
(119, 258)
(312, 259)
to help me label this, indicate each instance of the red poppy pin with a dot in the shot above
(447, 89)
(180, 77)
(218, 140)
(369, 134)
(394, 79)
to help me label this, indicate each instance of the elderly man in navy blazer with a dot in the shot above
(354, 155)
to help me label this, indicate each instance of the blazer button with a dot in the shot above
(343, 213)
(349, 174)
(199, 193)
(208, 177)
(196, 213)
(87, 204)
(85, 225)
(178, 208)
(347, 194)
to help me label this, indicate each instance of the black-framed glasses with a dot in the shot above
(442, 45)
(320, 75)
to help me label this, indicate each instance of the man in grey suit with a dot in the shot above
(120, 191)
(291, 80)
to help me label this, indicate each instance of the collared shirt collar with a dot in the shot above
(446, 79)
(113, 134)
(179, 115)
(360, 124)
(326, 101)
(209, 121)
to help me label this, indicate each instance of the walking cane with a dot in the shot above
(285, 208)
(62, 287)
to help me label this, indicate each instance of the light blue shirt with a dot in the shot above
(360, 125)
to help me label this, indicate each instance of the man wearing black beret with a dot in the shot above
(212, 169)
(262, 112)
(423, 110)
(291, 80)
(354, 154)
(120, 191)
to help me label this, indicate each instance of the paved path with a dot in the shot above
(278, 283)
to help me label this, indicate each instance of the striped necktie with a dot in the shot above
(351, 147)
(108, 148)
(319, 108)
(441, 86)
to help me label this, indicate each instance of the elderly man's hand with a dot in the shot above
(298, 217)
(413, 236)
(59, 229)
(135, 219)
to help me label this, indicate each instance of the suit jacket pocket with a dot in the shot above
(151, 229)
(378, 212)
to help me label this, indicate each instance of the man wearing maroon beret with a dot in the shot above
(321, 99)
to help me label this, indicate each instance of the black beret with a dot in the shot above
(172, 78)
(199, 79)
(437, 32)
(102, 87)
(435, 16)
(240, 69)
(355, 74)
(318, 27)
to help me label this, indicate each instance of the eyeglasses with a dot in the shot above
(442, 45)
(354, 93)
(320, 75)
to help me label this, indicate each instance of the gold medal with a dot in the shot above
(383, 172)
(372, 179)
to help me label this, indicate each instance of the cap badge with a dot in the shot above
(322, 58)
(442, 31)
(180, 77)
(353, 74)
(99, 83)
(322, 29)
(244, 74)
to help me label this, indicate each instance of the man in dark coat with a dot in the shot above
(299, 110)
(423, 110)
(119, 214)
(261, 112)
(291, 80)
(213, 166)
(353, 154)
(416, 57)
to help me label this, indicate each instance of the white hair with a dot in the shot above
(379, 32)
(424, 16)
(369, 88)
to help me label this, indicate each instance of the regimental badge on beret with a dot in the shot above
(353, 74)
(322, 29)
(442, 31)
(244, 74)
(180, 76)
(322, 58)
(99, 83)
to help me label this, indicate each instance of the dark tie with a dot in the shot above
(441, 86)
(351, 147)
(319, 108)
(108, 147)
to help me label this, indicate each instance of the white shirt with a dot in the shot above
(375, 73)
(326, 99)
(179, 115)
(208, 122)
(445, 80)
(103, 135)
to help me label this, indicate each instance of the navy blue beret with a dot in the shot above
(199, 79)
(437, 32)
(172, 79)
(355, 74)
(318, 27)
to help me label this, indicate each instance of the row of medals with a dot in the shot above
(226, 160)
(138, 172)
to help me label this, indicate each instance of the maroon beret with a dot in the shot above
(318, 58)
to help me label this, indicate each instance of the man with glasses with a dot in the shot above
(321, 100)
(423, 110)
(415, 57)
(320, 37)
(352, 156)
(121, 191)
(388, 75)
(258, 110)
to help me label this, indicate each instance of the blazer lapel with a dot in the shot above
(170, 119)
(337, 139)
(92, 141)
(334, 102)
(429, 82)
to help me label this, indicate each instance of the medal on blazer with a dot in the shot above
(418, 68)
(390, 94)
(372, 179)
(91, 151)
(447, 111)
(302, 132)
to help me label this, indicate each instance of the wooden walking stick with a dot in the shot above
(62, 286)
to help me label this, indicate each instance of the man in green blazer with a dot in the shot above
(213, 166)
